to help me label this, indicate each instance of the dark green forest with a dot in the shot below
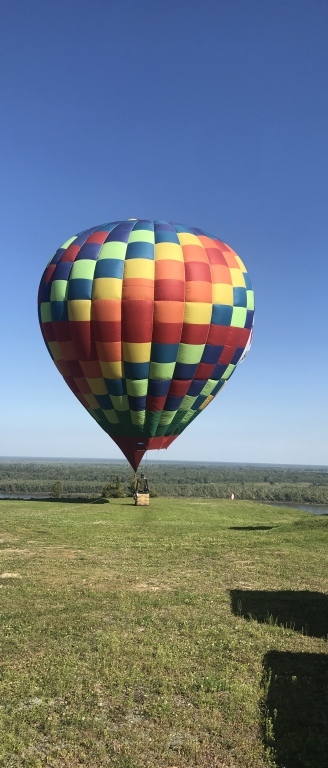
(247, 481)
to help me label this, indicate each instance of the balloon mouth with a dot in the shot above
(134, 448)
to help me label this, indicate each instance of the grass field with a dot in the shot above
(190, 633)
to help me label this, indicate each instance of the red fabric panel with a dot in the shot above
(204, 371)
(69, 368)
(197, 270)
(106, 330)
(194, 334)
(179, 388)
(169, 290)
(215, 256)
(81, 334)
(137, 321)
(71, 253)
(62, 330)
(48, 332)
(227, 355)
(91, 370)
(166, 333)
(218, 335)
(155, 403)
(97, 237)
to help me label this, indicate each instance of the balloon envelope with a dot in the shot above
(146, 321)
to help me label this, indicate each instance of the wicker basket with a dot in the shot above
(141, 499)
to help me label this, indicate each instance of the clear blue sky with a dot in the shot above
(213, 114)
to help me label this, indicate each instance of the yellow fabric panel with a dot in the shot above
(186, 238)
(206, 402)
(168, 251)
(91, 400)
(54, 349)
(136, 353)
(237, 278)
(79, 309)
(197, 313)
(240, 262)
(139, 268)
(112, 370)
(107, 288)
(222, 294)
(97, 386)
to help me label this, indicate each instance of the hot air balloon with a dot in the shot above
(146, 321)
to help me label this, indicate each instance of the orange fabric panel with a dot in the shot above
(199, 291)
(169, 270)
(168, 311)
(106, 309)
(109, 351)
(194, 253)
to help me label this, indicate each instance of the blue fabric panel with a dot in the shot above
(181, 228)
(120, 233)
(218, 372)
(116, 386)
(137, 403)
(140, 250)
(143, 224)
(109, 268)
(221, 314)
(89, 251)
(200, 400)
(104, 402)
(237, 356)
(164, 353)
(217, 388)
(80, 288)
(82, 237)
(239, 297)
(136, 370)
(249, 318)
(196, 387)
(57, 256)
(185, 371)
(173, 403)
(59, 311)
(158, 388)
(247, 281)
(211, 354)
(45, 291)
(62, 271)
(164, 233)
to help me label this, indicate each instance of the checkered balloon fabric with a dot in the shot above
(146, 321)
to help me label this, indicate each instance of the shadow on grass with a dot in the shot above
(305, 612)
(251, 527)
(68, 500)
(295, 709)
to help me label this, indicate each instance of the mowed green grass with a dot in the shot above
(189, 633)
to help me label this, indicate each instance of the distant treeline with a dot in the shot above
(261, 483)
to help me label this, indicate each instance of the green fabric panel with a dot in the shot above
(114, 250)
(138, 417)
(83, 268)
(111, 416)
(45, 312)
(238, 319)
(190, 353)
(152, 422)
(228, 372)
(137, 387)
(188, 415)
(68, 242)
(209, 386)
(161, 371)
(142, 235)
(58, 290)
(120, 402)
(250, 299)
